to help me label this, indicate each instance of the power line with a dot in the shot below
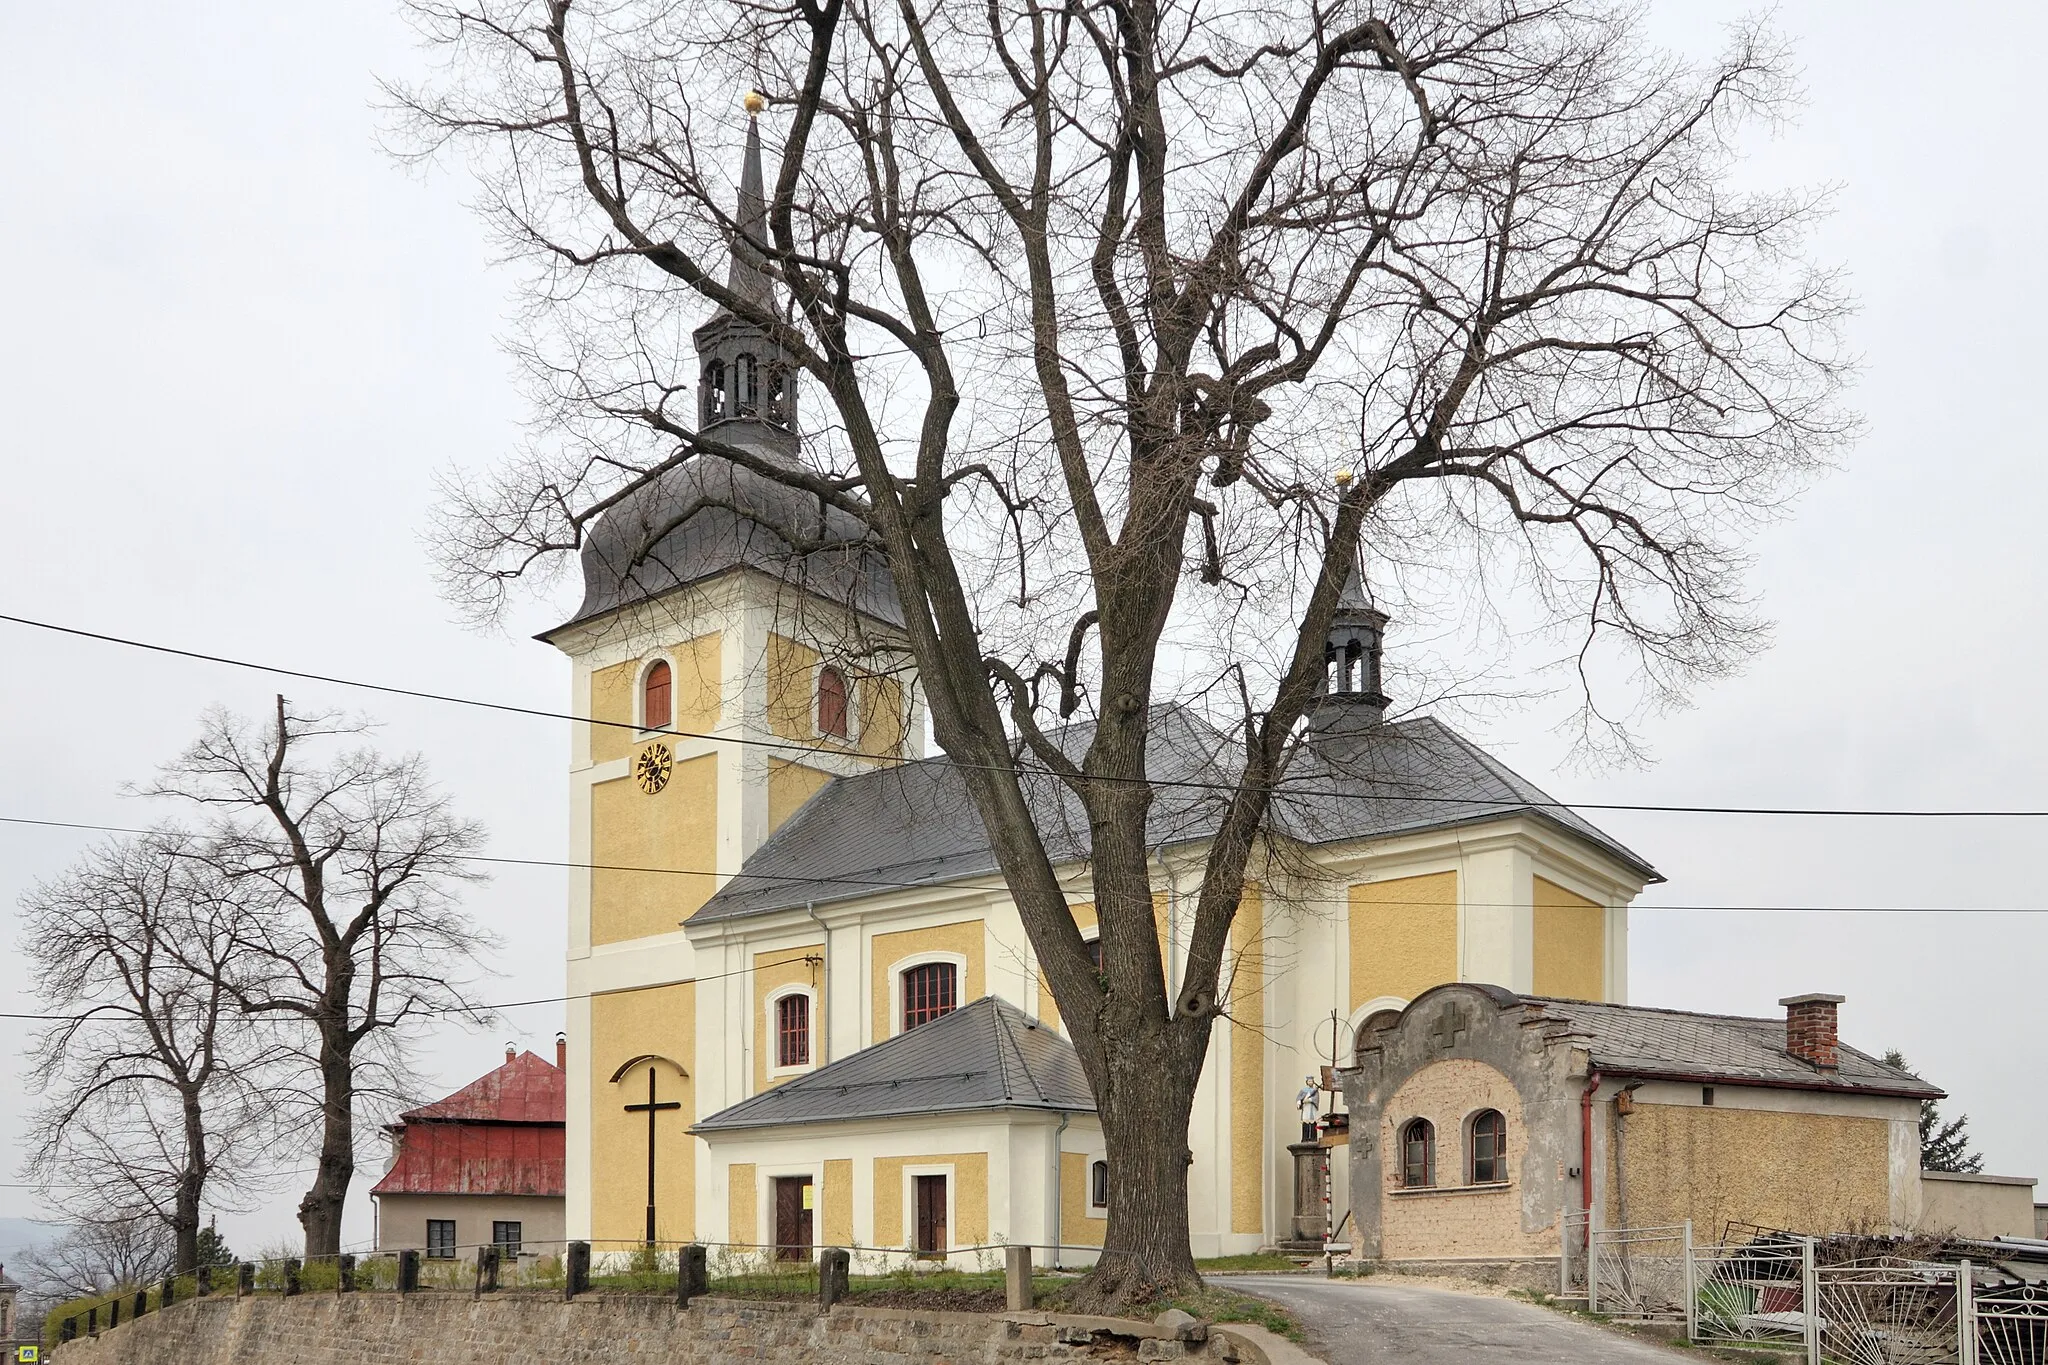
(967, 884)
(1163, 782)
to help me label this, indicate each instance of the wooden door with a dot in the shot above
(931, 1215)
(793, 1218)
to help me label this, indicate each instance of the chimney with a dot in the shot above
(511, 1051)
(561, 1052)
(1810, 1029)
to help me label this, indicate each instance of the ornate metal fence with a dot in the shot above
(1753, 1292)
(2012, 1325)
(1641, 1272)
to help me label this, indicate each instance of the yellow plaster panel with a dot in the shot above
(1487, 1222)
(659, 1021)
(742, 1211)
(789, 786)
(1404, 936)
(883, 714)
(965, 938)
(676, 828)
(837, 1228)
(694, 695)
(1076, 1227)
(970, 1197)
(792, 671)
(1248, 1065)
(1571, 944)
(1817, 1172)
(772, 971)
(1048, 1009)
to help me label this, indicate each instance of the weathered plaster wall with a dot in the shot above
(452, 1329)
(402, 1219)
(1977, 1205)
(1456, 1218)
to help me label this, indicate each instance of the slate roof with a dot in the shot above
(987, 1055)
(914, 823)
(1635, 1040)
(502, 1133)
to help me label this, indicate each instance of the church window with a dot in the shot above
(793, 1031)
(714, 391)
(1489, 1148)
(1418, 1154)
(655, 691)
(1093, 947)
(1098, 1185)
(930, 990)
(832, 707)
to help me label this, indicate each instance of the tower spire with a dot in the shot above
(745, 276)
(1351, 698)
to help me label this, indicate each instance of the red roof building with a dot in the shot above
(482, 1166)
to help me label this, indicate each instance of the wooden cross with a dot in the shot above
(652, 1109)
(1449, 1029)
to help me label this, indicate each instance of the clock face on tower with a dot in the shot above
(652, 768)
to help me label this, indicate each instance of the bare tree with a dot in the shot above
(95, 1256)
(1098, 296)
(352, 937)
(154, 1081)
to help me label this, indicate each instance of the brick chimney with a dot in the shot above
(1810, 1029)
(561, 1052)
(511, 1051)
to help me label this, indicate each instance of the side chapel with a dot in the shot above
(800, 995)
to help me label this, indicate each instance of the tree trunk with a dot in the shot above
(1146, 1252)
(191, 1186)
(321, 1210)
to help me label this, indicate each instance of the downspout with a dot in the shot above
(1058, 1201)
(825, 972)
(1172, 928)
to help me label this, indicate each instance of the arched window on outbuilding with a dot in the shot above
(656, 693)
(1418, 1154)
(1098, 1185)
(1487, 1144)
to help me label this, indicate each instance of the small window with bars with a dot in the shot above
(441, 1239)
(930, 990)
(793, 1030)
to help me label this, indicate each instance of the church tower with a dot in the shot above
(738, 645)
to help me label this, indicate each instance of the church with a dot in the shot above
(803, 1009)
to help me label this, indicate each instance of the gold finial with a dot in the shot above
(754, 102)
(1342, 478)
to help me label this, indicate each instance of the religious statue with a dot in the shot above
(1310, 1102)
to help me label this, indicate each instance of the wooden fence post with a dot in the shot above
(1966, 1316)
(291, 1276)
(169, 1294)
(202, 1280)
(693, 1276)
(486, 1271)
(345, 1274)
(141, 1303)
(408, 1271)
(245, 1279)
(92, 1321)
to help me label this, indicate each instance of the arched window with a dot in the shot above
(930, 990)
(1418, 1154)
(746, 385)
(1489, 1148)
(832, 708)
(654, 697)
(1093, 947)
(793, 1030)
(1098, 1185)
(714, 391)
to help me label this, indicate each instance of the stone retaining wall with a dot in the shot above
(597, 1329)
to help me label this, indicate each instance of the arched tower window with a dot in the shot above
(714, 390)
(1489, 1148)
(1098, 1185)
(930, 991)
(832, 707)
(655, 697)
(1418, 1154)
(746, 385)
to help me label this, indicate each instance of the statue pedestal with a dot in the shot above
(1311, 1198)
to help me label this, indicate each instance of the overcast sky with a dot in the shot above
(238, 343)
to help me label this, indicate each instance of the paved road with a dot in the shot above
(1383, 1321)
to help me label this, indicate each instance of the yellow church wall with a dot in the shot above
(1820, 1173)
(1404, 936)
(880, 711)
(742, 1212)
(837, 1210)
(883, 714)
(1248, 1065)
(1048, 1008)
(1076, 1227)
(772, 971)
(1571, 944)
(969, 1193)
(661, 1021)
(792, 671)
(676, 828)
(889, 951)
(694, 694)
(789, 786)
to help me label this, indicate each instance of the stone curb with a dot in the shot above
(1261, 1347)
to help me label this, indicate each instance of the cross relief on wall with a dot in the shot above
(1449, 1029)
